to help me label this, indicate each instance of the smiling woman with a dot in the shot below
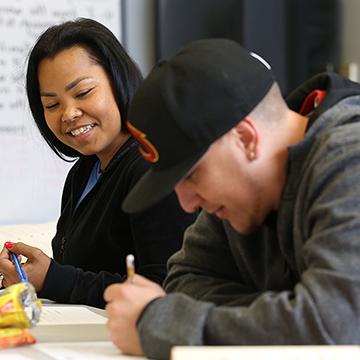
(80, 82)
(79, 104)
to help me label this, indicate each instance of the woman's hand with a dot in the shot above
(36, 266)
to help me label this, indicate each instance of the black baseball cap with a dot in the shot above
(185, 104)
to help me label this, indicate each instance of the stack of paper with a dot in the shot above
(70, 323)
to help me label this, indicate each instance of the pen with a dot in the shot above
(130, 267)
(21, 272)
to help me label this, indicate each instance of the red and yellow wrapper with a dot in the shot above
(11, 337)
(19, 309)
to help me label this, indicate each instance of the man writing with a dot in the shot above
(273, 257)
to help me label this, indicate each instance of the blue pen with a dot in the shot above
(21, 272)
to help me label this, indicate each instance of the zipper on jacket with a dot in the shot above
(62, 248)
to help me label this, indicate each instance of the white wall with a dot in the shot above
(351, 36)
(138, 33)
(351, 30)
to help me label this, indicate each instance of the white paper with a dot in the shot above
(265, 353)
(69, 315)
(101, 350)
(4, 356)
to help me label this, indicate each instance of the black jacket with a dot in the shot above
(92, 240)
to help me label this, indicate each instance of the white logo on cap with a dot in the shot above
(265, 63)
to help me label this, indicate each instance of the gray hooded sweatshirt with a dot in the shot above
(296, 281)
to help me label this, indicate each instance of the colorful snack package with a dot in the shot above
(19, 306)
(10, 337)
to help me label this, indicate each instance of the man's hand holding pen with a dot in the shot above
(125, 303)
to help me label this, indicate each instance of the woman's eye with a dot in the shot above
(83, 93)
(52, 106)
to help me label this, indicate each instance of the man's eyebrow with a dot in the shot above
(67, 87)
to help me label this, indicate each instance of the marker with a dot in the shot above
(130, 267)
(21, 272)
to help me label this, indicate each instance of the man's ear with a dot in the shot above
(248, 133)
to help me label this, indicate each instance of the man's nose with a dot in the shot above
(189, 200)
